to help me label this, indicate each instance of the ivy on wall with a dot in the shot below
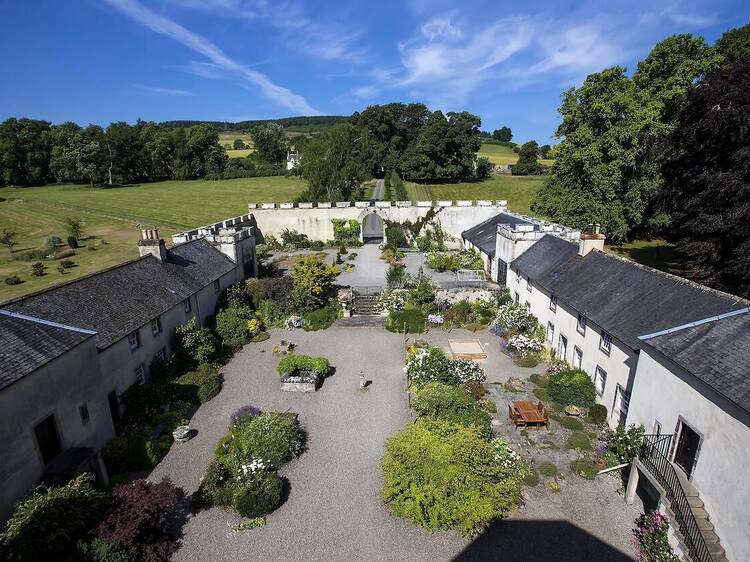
(344, 230)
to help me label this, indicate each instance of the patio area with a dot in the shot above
(333, 510)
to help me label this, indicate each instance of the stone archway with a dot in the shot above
(372, 229)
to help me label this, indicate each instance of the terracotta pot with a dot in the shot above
(600, 464)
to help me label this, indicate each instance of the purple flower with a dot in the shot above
(244, 414)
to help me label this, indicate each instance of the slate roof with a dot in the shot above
(116, 301)
(27, 343)
(624, 298)
(484, 234)
(716, 351)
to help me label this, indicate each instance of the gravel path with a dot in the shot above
(333, 511)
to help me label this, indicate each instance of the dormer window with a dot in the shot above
(133, 340)
(605, 343)
(553, 303)
(581, 327)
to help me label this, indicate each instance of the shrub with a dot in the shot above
(585, 468)
(13, 280)
(527, 361)
(548, 469)
(571, 423)
(395, 276)
(432, 364)
(294, 239)
(139, 518)
(322, 318)
(396, 237)
(597, 414)
(572, 386)
(263, 336)
(231, 325)
(102, 551)
(294, 364)
(409, 321)
(625, 443)
(313, 279)
(541, 393)
(476, 389)
(47, 525)
(652, 536)
(423, 243)
(193, 346)
(531, 479)
(539, 380)
(258, 495)
(578, 440)
(441, 475)
(72, 241)
(201, 385)
(277, 289)
(37, 270)
(451, 403)
(245, 413)
(271, 436)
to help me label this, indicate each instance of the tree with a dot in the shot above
(238, 144)
(544, 151)
(483, 169)
(527, 160)
(503, 134)
(398, 189)
(74, 227)
(734, 45)
(313, 279)
(8, 238)
(707, 176)
(25, 146)
(270, 143)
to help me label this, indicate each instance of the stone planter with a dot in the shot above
(300, 382)
(182, 433)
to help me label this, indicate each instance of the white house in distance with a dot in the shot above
(292, 160)
(70, 351)
(663, 352)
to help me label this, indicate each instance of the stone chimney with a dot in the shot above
(150, 243)
(592, 239)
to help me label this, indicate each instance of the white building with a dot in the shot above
(292, 160)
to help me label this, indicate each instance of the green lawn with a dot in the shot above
(653, 253)
(502, 155)
(517, 190)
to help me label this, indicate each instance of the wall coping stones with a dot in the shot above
(484, 203)
(360, 204)
(343, 204)
(465, 203)
(445, 203)
(326, 205)
(286, 206)
(382, 204)
(424, 203)
(252, 205)
(268, 206)
(502, 202)
(305, 205)
(403, 203)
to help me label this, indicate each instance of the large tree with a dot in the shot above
(527, 164)
(503, 134)
(25, 146)
(708, 181)
(270, 143)
(614, 130)
(734, 44)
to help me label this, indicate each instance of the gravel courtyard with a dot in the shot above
(333, 510)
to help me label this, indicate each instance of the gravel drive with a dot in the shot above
(333, 510)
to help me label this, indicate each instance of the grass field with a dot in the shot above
(653, 253)
(502, 155)
(517, 190)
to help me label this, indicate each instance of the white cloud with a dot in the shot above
(576, 49)
(159, 91)
(366, 92)
(159, 24)
(689, 18)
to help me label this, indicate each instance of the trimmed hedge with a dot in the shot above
(259, 495)
(452, 404)
(293, 364)
(201, 385)
(572, 386)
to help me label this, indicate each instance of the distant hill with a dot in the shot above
(314, 124)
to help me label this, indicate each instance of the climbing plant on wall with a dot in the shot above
(345, 230)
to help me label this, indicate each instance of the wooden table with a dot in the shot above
(525, 412)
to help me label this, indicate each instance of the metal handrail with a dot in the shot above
(654, 455)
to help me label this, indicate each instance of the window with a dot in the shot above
(83, 410)
(140, 374)
(133, 340)
(577, 357)
(217, 286)
(553, 303)
(550, 332)
(516, 296)
(581, 324)
(621, 405)
(562, 348)
(114, 406)
(605, 343)
(186, 305)
(155, 326)
(657, 428)
(528, 284)
(162, 354)
(600, 380)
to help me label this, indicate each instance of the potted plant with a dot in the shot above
(302, 373)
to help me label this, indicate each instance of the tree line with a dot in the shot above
(313, 122)
(663, 153)
(34, 152)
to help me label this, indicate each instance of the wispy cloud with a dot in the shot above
(159, 24)
(688, 17)
(159, 91)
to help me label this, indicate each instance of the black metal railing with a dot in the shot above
(654, 456)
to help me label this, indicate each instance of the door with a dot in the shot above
(621, 405)
(47, 439)
(114, 406)
(686, 451)
(562, 348)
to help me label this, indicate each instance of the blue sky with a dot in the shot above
(96, 61)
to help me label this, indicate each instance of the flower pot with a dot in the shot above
(600, 464)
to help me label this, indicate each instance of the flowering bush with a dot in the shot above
(390, 301)
(432, 364)
(435, 318)
(293, 322)
(515, 318)
(467, 371)
(524, 345)
(651, 534)
(511, 462)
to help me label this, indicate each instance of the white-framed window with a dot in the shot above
(550, 332)
(140, 374)
(155, 326)
(133, 340)
(656, 430)
(581, 327)
(528, 284)
(516, 296)
(83, 410)
(605, 343)
(217, 286)
(562, 347)
(577, 357)
(186, 305)
(162, 354)
(553, 303)
(600, 380)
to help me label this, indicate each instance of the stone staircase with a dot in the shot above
(364, 305)
(713, 543)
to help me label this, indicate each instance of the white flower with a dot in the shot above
(524, 344)
(435, 318)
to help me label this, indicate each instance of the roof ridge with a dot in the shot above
(19, 316)
(673, 277)
(681, 327)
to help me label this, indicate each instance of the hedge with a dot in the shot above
(201, 385)
(293, 364)
(572, 386)
(410, 319)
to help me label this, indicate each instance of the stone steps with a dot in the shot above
(361, 322)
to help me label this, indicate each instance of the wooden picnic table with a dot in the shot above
(525, 413)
